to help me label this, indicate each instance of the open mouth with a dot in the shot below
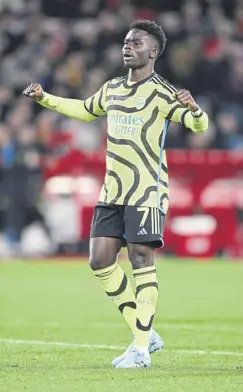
(127, 56)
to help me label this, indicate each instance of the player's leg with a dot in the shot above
(139, 228)
(144, 228)
(103, 253)
(105, 244)
(146, 340)
(144, 272)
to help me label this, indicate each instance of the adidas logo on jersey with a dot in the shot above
(142, 232)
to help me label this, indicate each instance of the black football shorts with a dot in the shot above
(130, 223)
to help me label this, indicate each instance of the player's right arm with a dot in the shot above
(86, 110)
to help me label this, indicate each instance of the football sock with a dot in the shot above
(118, 287)
(146, 299)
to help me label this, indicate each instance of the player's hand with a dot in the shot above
(34, 91)
(185, 98)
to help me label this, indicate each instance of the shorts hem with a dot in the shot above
(159, 243)
(106, 236)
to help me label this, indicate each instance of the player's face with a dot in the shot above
(138, 49)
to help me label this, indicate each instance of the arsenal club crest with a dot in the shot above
(140, 102)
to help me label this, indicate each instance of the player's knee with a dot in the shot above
(96, 263)
(141, 256)
(103, 252)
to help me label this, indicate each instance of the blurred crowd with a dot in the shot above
(73, 46)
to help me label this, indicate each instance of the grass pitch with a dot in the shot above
(59, 332)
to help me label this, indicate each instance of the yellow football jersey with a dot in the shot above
(138, 118)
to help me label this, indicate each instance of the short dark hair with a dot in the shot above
(153, 29)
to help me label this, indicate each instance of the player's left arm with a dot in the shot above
(181, 107)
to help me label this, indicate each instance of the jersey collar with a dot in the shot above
(136, 84)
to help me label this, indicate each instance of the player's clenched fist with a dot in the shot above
(185, 98)
(34, 91)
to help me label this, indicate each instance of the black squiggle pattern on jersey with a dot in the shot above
(140, 154)
(123, 109)
(144, 129)
(119, 184)
(146, 195)
(135, 173)
(122, 97)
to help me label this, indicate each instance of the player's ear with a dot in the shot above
(154, 53)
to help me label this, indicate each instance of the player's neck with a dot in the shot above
(135, 75)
